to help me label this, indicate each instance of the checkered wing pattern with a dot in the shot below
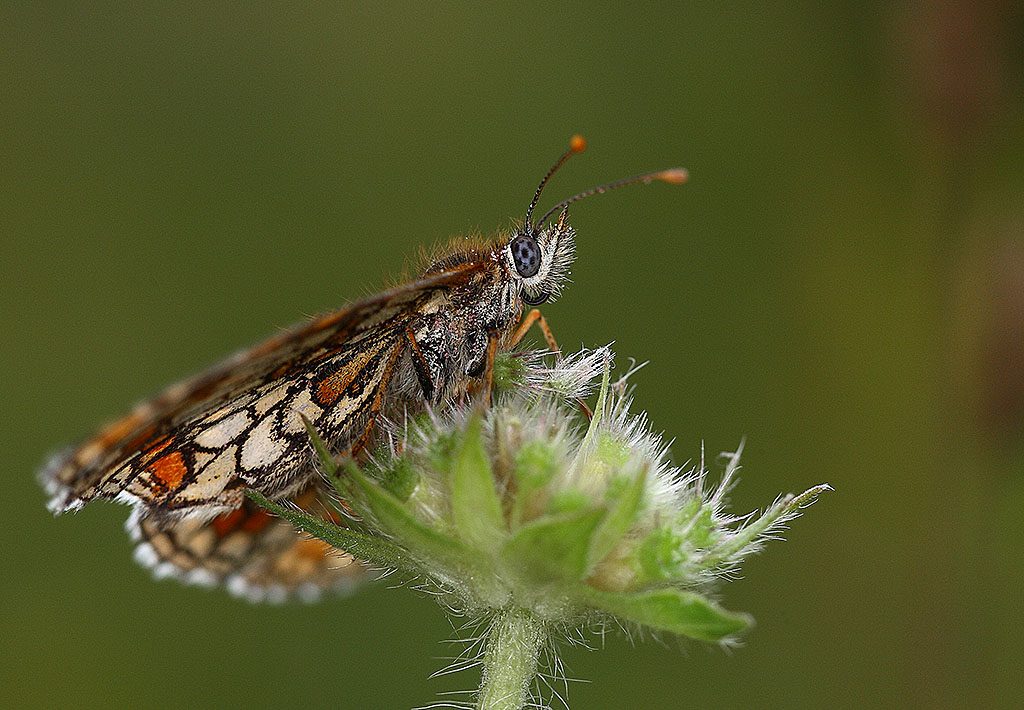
(184, 459)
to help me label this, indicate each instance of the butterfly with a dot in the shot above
(184, 459)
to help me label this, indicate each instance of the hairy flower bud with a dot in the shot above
(525, 509)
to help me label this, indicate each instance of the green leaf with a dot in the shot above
(553, 548)
(476, 508)
(684, 613)
(441, 449)
(623, 510)
(536, 464)
(330, 466)
(612, 451)
(567, 502)
(400, 478)
(785, 509)
(589, 439)
(659, 556)
(399, 523)
(703, 529)
(375, 550)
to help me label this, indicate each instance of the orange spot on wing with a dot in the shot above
(312, 548)
(241, 519)
(256, 521)
(169, 469)
(306, 498)
(332, 386)
(223, 524)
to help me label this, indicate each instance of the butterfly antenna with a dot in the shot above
(577, 144)
(673, 176)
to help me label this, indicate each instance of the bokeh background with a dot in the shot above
(842, 283)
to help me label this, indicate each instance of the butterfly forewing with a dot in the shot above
(240, 399)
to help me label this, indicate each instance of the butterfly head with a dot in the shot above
(540, 254)
(540, 260)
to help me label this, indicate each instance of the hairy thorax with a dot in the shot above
(450, 332)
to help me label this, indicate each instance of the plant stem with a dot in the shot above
(510, 661)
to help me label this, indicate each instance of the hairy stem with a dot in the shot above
(510, 661)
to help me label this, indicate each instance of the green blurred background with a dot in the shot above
(842, 283)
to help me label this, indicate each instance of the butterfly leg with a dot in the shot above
(492, 351)
(535, 317)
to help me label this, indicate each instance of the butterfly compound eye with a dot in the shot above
(526, 255)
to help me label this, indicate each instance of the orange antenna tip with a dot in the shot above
(673, 176)
(577, 144)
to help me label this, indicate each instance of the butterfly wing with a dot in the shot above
(194, 447)
(250, 552)
(185, 458)
(200, 464)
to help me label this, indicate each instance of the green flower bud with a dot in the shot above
(534, 519)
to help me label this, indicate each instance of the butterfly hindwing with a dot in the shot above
(252, 553)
